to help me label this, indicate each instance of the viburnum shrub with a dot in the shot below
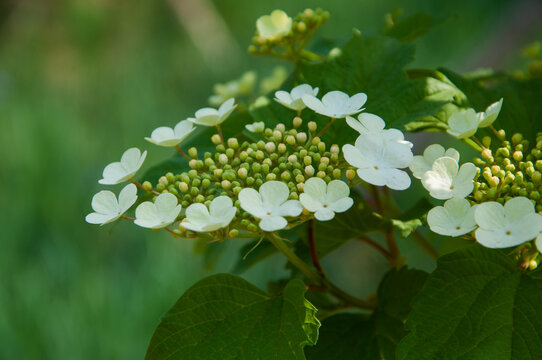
(307, 167)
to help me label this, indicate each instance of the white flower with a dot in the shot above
(505, 226)
(455, 218)
(118, 172)
(490, 115)
(238, 87)
(159, 214)
(256, 127)
(324, 200)
(107, 208)
(371, 124)
(212, 117)
(463, 124)
(166, 136)
(336, 104)
(423, 163)
(293, 99)
(270, 204)
(275, 25)
(538, 242)
(200, 219)
(446, 179)
(378, 160)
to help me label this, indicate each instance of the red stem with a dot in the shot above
(313, 249)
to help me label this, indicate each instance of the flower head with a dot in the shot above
(455, 218)
(200, 219)
(463, 124)
(446, 179)
(324, 200)
(490, 115)
(107, 208)
(335, 104)
(166, 136)
(129, 164)
(159, 214)
(275, 25)
(270, 204)
(423, 163)
(212, 117)
(293, 99)
(256, 127)
(378, 160)
(505, 226)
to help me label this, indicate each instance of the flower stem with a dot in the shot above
(182, 152)
(473, 145)
(376, 246)
(314, 250)
(220, 133)
(477, 142)
(138, 184)
(314, 276)
(127, 217)
(326, 127)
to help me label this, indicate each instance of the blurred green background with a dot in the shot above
(83, 80)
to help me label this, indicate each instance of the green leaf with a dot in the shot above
(375, 65)
(412, 27)
(476, 305)
(357, 336)
(406, 227)
(225, 317)
(522, 108)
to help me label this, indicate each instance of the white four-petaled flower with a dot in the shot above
(159, 214)
(107, 208)
(463, 124)
(374, 125)
(212, 117)
(423, 163)
(166, 136)
(122, 170)
(256, 127)
(378, 160)
(455, 218)
(275, 25)
(270, 204)
(293, 99)
(336, 104)
(446, 179)
(324, 200)
(505, 226)
(200, 219)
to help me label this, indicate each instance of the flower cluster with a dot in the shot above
(287, 177)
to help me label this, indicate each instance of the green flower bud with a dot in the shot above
(220, 148)
(321, 174)
(242, 172)
(517, 155)
(334, 149)
(315, 141)
(280, 127)
(200, 198)
(160, 187)
(270, 147)
(299, 178)
(223, 159)
(252, 228)
(170, 178)
(294, 196)
(301, 138)
(492, 193)
(285, 176)
(196, 182)
(194, 191)
(205, 183)
(147, 186)
(192, 174)
(233, 233)
(258, 183)
(250, 181)
(537, 177)
(297, 122)
(185, 204)
(193, 152)
(218, 173)
(277, 135)
(486, 154)
(486, 141)
(233, 143)
(321, 146)
(350, 174)
(316, 157)
(290, 140)
(260, 155)
(312, 126)
(281, 148)
(517, 138)
(324, 160)
(192, 163)
(337, 173)
(225, 184)
(230, 152)
(309, 171)
(229, 175)
(271, 176)
(322, 167)
(207, 155)
(307, 160)
(534, 195)
(216, 139)
(163, 180)
(209, 162)
(237, 190)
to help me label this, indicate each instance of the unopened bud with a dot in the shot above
(270, 147)
(216, 139)
(517, 155)
(307, 160)
(290, 140)
(301, 138)
(486, 141)
(517, 138)
(486, 154)
(321, 174)
(281, 148)
(337, 173)
(230, 152)
(233, 143)
(242, 172)
(193, 152)
(334, 149)
(297, 122)
(321, 147)
(223, 159)
(309, 170)
(286, 176)
(300, 187)
(218, 173)
(163, 180)
(312, 126)
(316, 140)
(270, 176)
(324, 160)
(233, 233)
(292, 159)
(280, 127)
(350, 174)
(226, 184)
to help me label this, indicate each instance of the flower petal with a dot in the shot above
(197, 214)
(101, 219)
(273, 223)
(274, 193)
(251, 202)
(490, 215)
(316, 188)
(105, 202)
(289, 208)
(354, 157)
(324, 215)
(336, 190)
(341, 205)
(309, 202)
(220, 206)
(127, 197)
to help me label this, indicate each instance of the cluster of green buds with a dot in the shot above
(513, 169)
(291, 156)
(279, 35)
